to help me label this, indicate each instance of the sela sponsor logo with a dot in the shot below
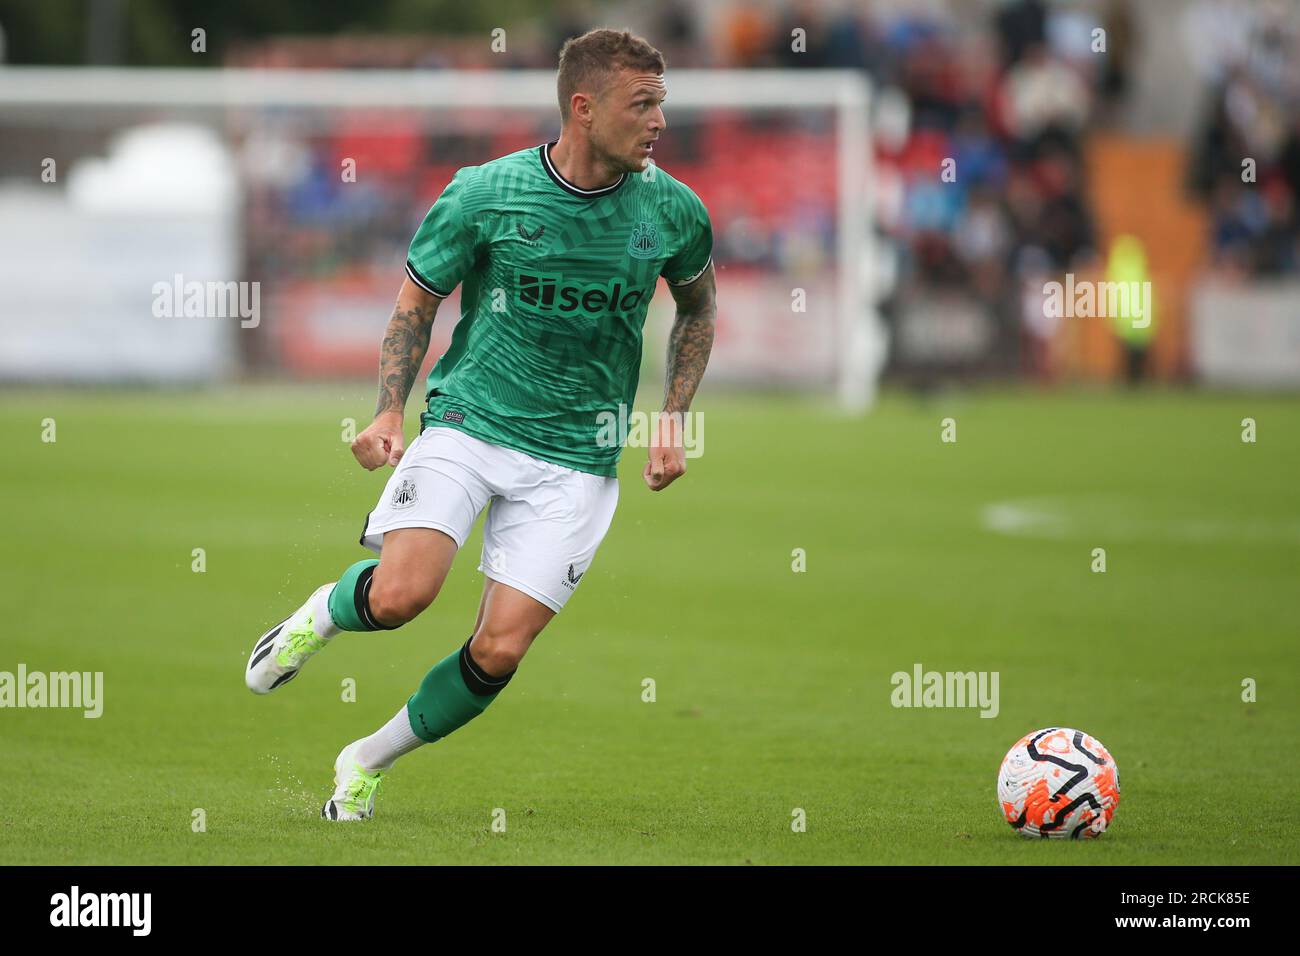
(923, 688)
(1098, 300)
(72, 689)
(635, 429)
(103, 909)
(549, 294)
(208, 300)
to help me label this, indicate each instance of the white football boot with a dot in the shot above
(281, 652)
(354, 787)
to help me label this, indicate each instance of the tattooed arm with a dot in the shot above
(688, 354)
(400, 357)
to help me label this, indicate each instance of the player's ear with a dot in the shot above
(580, 107)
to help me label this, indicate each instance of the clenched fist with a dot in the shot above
(667, 456)
(381, 442)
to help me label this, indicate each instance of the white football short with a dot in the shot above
(545, 520)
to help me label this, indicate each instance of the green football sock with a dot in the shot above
(452, 694)
(349, 602)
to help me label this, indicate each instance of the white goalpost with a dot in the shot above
(846, 342)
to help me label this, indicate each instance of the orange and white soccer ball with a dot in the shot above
(1058, 783)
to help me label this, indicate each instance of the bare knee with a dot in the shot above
(394, 602)
(498, 650)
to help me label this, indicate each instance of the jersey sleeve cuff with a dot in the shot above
(424, 283)
(689, 279)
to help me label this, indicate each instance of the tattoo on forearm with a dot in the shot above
(690, 342)
(405, 343)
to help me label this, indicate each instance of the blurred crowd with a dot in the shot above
(1007, 103)
(981, 121)
(980, 130)
(1246, 153)
(1013, 143)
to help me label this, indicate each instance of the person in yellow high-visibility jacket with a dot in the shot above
(1134, 322)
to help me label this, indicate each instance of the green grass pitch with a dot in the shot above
(772, 686)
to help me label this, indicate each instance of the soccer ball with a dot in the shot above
(1058, 783)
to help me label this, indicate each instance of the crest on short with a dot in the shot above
(405, 495)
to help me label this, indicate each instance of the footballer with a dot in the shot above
(557, 249)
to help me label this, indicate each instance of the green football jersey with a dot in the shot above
(556, 284)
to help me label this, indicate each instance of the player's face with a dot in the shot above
(628, 117)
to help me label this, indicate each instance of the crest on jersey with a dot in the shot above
(644, 243)
(405, 495)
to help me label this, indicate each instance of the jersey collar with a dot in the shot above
(544, 151)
